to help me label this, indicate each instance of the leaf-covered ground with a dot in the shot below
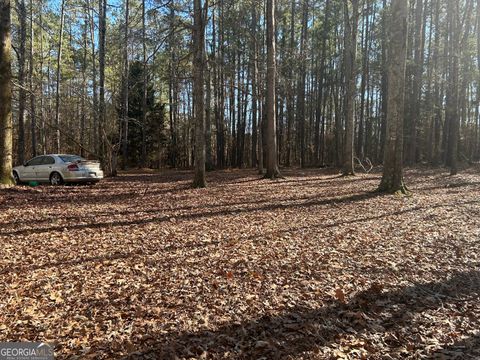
(314, 266)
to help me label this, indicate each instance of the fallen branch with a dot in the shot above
(368, 163)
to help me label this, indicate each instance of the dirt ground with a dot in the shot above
(313, 266)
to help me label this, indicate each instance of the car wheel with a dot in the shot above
(56, 179)
(16, 178)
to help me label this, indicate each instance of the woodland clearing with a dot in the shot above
(313, 266)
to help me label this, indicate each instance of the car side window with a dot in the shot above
(35, 161)
(48, 160)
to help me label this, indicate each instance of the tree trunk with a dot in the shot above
(33, 118)
(364, 83)
(83, 116)
(321, 76)
(384, 84)
(254, 65)
(43, 128)
(238, 141)
(57, 84)
(261, 121)
(172, 91)
(300, 112)
(272, 159)
(351, 23)
(464, 91)
(5, 95)
(95, 123)
(392, 180)
(105, 159)
(221, 89)
(437, 112)
(290, 87)
(477, 107)
(125, 90)
(261, 135)
(338, 124)
(452, 98)
(22, 95)
(208, 122)
(198, 92)
(417, 84)
(144, 87)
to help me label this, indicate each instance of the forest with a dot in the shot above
(116, 81)
(283, 179)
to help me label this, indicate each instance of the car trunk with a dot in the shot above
(89, 166)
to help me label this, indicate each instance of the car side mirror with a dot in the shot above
(24, 164)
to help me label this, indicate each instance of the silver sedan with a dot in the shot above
(57, 169)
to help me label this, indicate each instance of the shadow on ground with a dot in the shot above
(301, 332)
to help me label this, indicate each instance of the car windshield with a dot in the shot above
(70, 158)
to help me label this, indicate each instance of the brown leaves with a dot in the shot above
(56, 296)
(314, 266)
(340, 295)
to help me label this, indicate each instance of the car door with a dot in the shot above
(30, 170)
(44, 170)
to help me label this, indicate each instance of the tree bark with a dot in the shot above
(351, 23)
(452, 97)
(102, 13)
(125, 90)
(172, 90)
(392, 180)
(321, 77)
(254, 65)
(57, 84)
(437, 108)
(6, 125)
(364, 83)
(83, 115)
(338, 131)
(477, 107)
(199, 180)
(290, 87)
(300, 112)
(22, 95)
(43, 128)
(272, 158)
(414, 112)
(33, 118)
(144, 86)
(95, 112)
(220, 88)
(208, 121)
(384, 84)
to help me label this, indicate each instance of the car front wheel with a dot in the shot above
(56, 179)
